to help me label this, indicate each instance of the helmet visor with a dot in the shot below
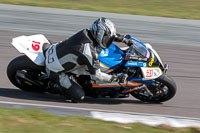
(107, 41)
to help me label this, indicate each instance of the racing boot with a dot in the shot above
(54, 88)
(70, 88)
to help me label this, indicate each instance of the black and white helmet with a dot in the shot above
(104, 31)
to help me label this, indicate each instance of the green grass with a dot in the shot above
(189, 9)
(34, 121)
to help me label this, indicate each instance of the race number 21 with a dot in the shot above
(149, 73)
(35, 45)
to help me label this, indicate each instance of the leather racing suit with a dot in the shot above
(78, 55)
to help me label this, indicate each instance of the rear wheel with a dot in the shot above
(162, 90)
(25, 66)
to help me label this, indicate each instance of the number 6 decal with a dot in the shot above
(35, 45)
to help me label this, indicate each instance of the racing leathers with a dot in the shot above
(76, 55)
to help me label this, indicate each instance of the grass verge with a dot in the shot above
(189, 9)
(34, 121)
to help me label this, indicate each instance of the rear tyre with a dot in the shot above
(163, 90)
(24, 64)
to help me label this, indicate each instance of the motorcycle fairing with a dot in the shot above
(154, 52)
(104, 68)
(135, 64)
(111, 58)
(116, 84)
(31, 46)
(151, 72)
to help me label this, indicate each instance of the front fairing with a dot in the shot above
(146, 51)
(155, 58)
(113, 57)
(152, 68)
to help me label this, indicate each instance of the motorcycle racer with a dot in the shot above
(79, 54)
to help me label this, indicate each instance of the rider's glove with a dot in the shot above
(127, 40)
(121, 78)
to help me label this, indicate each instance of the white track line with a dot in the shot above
(125, 117)
(153, 120)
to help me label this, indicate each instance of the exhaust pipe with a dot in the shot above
(29, 79)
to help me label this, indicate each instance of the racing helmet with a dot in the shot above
(103, 30)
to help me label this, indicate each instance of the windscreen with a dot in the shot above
(141, 49)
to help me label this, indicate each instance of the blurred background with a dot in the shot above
(171, 26)
(166, 8)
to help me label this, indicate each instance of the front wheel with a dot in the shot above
(163, 89)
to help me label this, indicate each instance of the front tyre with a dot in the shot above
(25, 65)
(163, 90)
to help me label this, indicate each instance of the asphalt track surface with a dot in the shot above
(176, 40)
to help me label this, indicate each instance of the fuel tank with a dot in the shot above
(111, 58)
